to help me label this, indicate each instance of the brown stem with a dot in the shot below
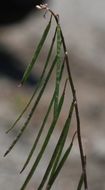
(83, 163)
(83, 157)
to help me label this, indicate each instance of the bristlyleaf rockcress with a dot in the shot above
(57, 64)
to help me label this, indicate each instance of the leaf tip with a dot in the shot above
(6, 153)
(21, 171)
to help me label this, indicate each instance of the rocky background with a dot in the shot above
(83, 26)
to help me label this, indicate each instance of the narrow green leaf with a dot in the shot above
(53, 124)
(39, 47)
(33, 108)
(58, 149)
(38, 85)
(26, 107)
(49, 53)
(59, 167)
(42, 126)
(58, 67)
(39, 134)
(63, 137)
(80, 182)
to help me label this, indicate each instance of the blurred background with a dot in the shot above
(21, 26)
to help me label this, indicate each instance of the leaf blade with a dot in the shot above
(80, 182)
(64, 158)
(58, 149)
(44, 144)
(39, 47)
(58, 67)
(38, 85)
(43, 124)
(33, 109)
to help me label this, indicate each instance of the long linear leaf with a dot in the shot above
(26, 107)
(63, 137)
(43, 124)
(59, 167)
(39, 47)
(39, 134)
(53, 124)
(38, 85)
(58, 149)
(58, 67)
(33, 108)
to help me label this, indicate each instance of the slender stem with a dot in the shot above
(83, 163)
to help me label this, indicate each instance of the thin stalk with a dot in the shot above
(77, 116)
(75, 99)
